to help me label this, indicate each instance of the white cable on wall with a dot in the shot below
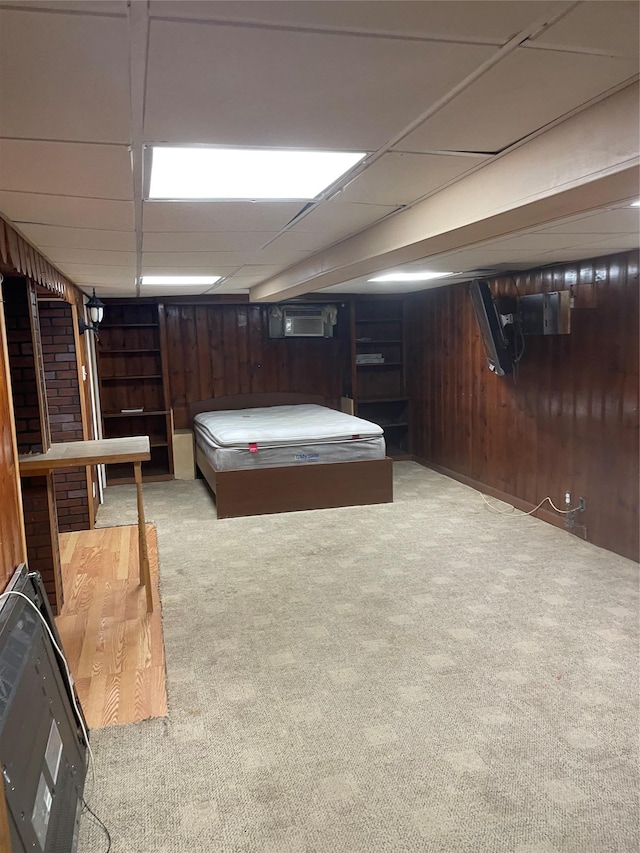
(521, 513)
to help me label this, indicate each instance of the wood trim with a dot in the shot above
(263, 491)
(82, 388)
(4, 354)
(164, 362)
(543, 514)
(17, 252)
(72, 454)
(5, 835)
(249, 401)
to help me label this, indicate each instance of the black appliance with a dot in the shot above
(42, 745)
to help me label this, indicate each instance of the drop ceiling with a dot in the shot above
(432, 91)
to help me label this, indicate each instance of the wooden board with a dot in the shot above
(114, 647)
(67, 454)
(262, 491)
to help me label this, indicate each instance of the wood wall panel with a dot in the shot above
(567, 422)
(216, 350)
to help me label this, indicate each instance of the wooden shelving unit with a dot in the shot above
(379, 388)
(131, 368)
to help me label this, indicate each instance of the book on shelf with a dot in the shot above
(369, 358)
(134, 411)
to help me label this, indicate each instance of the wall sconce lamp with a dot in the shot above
(95, 307)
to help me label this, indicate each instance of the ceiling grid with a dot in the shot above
(434, 93)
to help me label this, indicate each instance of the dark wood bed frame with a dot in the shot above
(288, 488)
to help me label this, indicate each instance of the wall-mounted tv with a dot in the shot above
(497, 339)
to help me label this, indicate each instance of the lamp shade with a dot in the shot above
(96, 309)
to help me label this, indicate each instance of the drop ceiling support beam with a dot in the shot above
(588, 161)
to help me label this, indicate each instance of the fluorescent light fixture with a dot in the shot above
(411, 276)
(185, 280)
(243, 173)
(635, 203)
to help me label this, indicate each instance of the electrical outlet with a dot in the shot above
(567, 498)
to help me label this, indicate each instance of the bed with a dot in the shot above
(255, 471)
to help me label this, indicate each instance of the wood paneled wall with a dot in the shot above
(216, 350)
(569, 422)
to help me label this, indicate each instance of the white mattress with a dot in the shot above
(285, 435)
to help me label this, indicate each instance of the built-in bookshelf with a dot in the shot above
(133, 385)
(378, 369)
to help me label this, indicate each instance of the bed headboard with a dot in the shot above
(250, 401)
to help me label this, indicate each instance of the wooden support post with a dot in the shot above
(143, 553)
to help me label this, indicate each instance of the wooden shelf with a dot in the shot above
(134, 414)
(379, 388)
(381, 364)
(134, 378)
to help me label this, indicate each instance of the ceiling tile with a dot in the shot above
(338, 218)
(64, 77)
(261, 270)
(516, 97)
(229, 259)
(71, 169)
(177, 290)
(203, 241)
(300, 241)
(67, 211)
(345, 92)
(402, 178)
(217, 216)
(109, 273)
(240, 280)
(91, 256)
(94, 7)
(609, 25)
(167, 269)
(496, 21)
(45, 236)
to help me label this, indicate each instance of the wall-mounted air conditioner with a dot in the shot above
(302, 321)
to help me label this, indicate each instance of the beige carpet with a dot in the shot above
(421, 676)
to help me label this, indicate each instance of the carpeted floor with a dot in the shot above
(420, 676)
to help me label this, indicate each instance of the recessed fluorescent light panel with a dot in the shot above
(239, 173)
(635, 203)
(185, 280)
(411, 276)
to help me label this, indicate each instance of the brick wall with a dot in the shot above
(22, 366)
(43, 551)
(65, 413)
(38, 495)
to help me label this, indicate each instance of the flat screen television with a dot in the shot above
(42, 744)
(498, 344)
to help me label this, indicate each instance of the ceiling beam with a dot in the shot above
(584, 163)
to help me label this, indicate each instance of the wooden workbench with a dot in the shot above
(70, 454)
